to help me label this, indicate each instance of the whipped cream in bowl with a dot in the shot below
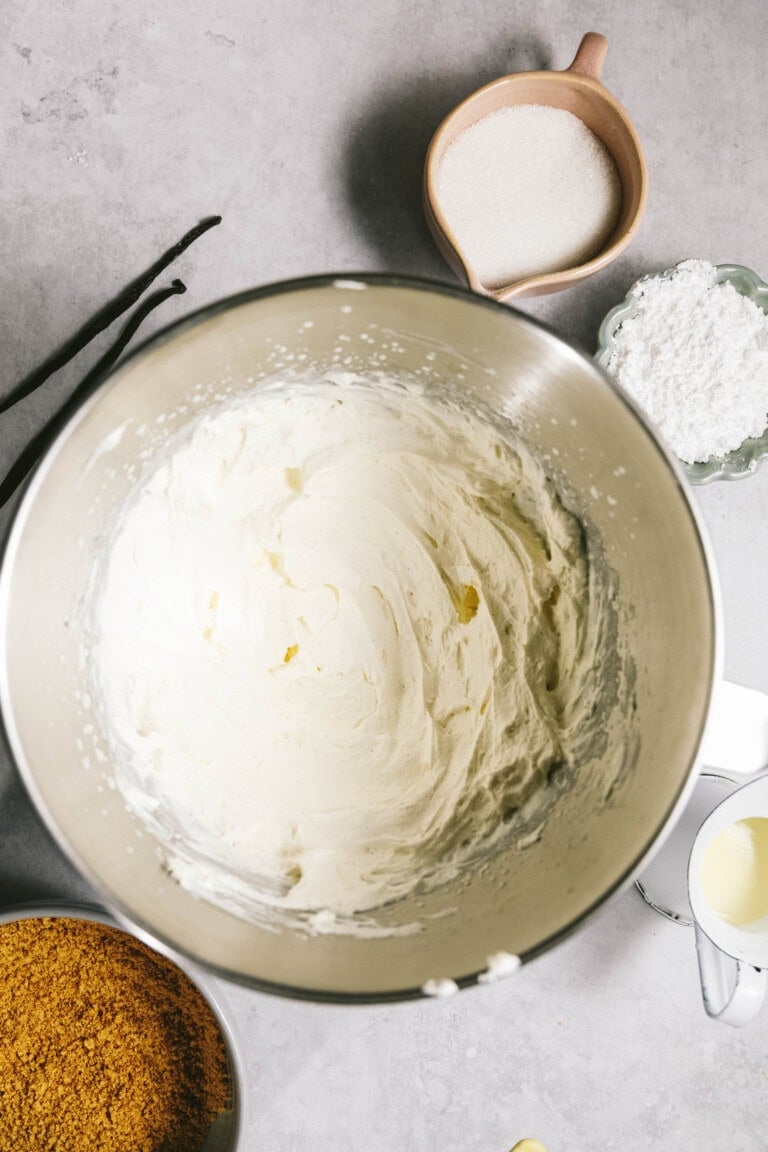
(346, 642)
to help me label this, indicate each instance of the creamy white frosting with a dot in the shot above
(340, 637)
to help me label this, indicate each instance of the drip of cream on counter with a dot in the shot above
(440, 988)
(342, 634)
(500, 964)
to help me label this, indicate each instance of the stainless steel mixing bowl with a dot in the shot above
(613, 471)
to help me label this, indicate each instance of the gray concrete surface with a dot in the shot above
(305, 124)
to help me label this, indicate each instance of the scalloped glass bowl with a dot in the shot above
(745, 459)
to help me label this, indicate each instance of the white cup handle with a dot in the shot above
(744, 1001)
(736, 737)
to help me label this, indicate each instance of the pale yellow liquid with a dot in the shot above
(734, 871)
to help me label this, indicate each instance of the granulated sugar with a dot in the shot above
(695, 358)
(528, 190)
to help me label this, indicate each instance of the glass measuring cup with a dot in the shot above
(733, 957)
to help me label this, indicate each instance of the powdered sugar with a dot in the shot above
(695, 358)
(526, 190)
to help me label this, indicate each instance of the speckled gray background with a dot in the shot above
(305, 124)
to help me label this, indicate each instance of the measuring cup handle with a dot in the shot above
(736, 737)
(744, 1001)
(590, 56)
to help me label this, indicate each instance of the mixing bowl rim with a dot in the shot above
(198, 975)
(13, 532)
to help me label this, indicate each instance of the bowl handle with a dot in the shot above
(590, 56)
(736, 736)
(742, 1002)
